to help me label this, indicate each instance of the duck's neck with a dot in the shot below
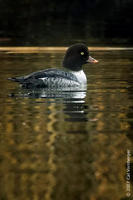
(70, 65)
(81, 77)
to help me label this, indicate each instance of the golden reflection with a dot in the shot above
(16, 153)
(52, 135)
(105, 159)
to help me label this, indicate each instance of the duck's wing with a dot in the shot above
(44, 77)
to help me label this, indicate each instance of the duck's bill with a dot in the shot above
(92, 60)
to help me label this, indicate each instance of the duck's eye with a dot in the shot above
(82, 53)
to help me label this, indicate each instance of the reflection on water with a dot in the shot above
(66, 144)
(73, 101)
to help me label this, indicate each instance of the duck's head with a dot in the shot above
(76, 56)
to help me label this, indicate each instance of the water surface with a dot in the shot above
(66, 145)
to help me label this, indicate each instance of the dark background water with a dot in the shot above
(38, 22)
(67, 145)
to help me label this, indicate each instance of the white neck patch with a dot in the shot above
(80, 76)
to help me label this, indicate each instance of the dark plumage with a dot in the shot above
(76, 56)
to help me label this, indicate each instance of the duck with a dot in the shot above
(71, 75)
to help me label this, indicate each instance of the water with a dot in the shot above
(67, 145)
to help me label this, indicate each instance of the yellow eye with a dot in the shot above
(82, 53)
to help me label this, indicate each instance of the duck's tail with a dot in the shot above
(18, 79)
(13, 79)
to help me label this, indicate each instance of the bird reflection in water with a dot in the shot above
(74, 107)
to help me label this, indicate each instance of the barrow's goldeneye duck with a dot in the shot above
(72, 74)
